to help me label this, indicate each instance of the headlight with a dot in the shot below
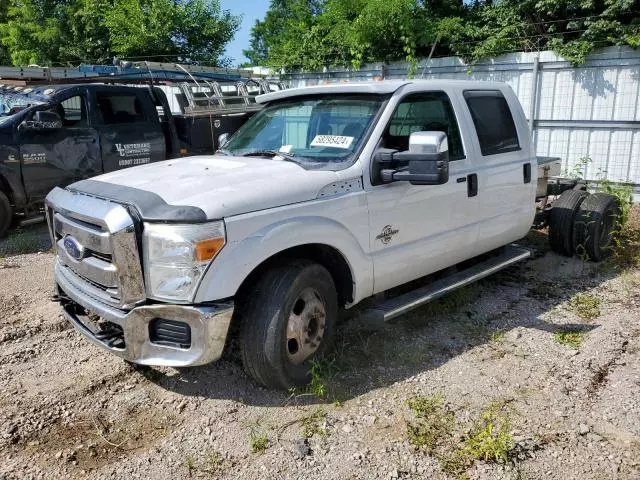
(176, 256)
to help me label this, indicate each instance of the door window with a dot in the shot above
(73, 112)
(118, 108)
(493, 121)
(424, 112)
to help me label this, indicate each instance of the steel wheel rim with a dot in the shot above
(305, 326)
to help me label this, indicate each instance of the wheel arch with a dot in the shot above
(250, 250)
(6, 189)
(326, 255)
(11, 186)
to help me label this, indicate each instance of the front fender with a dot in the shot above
(10, 174)
(239, 258)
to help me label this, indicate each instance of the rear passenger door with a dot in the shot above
(129, 128)
(505, 167)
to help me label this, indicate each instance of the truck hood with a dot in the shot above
(220, 186)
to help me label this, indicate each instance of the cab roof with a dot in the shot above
(374, 87)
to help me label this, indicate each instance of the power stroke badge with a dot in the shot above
(387, 234)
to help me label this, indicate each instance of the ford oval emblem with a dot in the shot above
(73, 248)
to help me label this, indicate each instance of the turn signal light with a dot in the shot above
(206, 250)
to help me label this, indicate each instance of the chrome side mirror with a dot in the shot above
(428, 142)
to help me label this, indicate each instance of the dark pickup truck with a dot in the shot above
(60, 134)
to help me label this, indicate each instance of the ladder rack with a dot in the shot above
(191, 90)
(123, 71)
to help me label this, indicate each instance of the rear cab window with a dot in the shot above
(493, 120)
(116, 108)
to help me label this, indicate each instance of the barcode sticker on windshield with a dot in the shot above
(335, 141)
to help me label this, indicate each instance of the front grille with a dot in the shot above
(109, 333)
(95, 242)
(102, 256)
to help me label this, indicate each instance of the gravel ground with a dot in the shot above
(70, 410)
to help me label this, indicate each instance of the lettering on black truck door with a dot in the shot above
(130, 130)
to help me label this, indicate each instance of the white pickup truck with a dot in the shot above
(328, 196)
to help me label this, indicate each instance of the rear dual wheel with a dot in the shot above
(583, 224)
(595, 225)
(561, 221)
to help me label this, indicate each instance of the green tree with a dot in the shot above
(277, 37)
(87, 38)
(68, 32)
(33, 30)
(572, 28)
(312, 34)
(4, 54)
(188, 30)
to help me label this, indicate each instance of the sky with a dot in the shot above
(251, 11)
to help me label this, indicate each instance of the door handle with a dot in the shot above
(472, 184)
(461, 179)
(526, 172)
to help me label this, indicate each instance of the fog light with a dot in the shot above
(170, 333)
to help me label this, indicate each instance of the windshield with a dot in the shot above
(12, 103)
(313, 130)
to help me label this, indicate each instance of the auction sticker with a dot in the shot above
(335, 141)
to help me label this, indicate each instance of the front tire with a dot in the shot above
(6, 214)
(289, 321)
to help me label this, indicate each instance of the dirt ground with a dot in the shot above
(552, 345)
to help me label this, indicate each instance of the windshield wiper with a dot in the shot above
(270, 153)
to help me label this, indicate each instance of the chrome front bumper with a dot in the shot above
(209, 326)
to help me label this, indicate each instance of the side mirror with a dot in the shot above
(42, 121)
(427, 160)
(222, 139)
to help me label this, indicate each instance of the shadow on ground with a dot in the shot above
(31, 239)
(364, 359)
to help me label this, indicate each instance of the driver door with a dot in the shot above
(58, 157)
(420, 229)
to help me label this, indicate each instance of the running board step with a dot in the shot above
(394, 307)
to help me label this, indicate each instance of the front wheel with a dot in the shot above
(6, 214)
(289, 321)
